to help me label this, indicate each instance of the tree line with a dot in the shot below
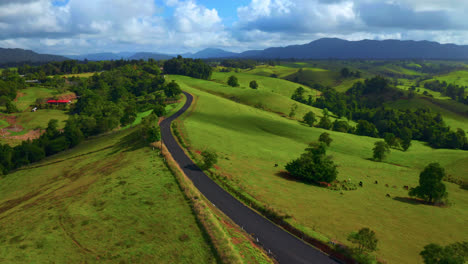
(363, 103)
(188, 67)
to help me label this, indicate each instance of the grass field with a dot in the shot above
(81, 75)
(28, 96)
(250, 141)
(108, 200)
(457, 77)
(268, 71)
(264, 97)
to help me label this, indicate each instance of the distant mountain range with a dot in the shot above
(8, 56)
(365, 49)
(325, 48)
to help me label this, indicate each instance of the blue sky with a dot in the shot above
(177, 26)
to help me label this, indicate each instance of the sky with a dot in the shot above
(72, 27)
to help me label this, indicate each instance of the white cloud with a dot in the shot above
(86, 26)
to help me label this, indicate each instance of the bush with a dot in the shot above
(313, 165)
(209, 159)
(233, 81)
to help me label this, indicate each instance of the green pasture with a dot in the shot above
(267, 98)
(456, 77)
(268, 71)
(109, 200)
(250, 141)
(29, 96)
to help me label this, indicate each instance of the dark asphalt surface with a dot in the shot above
(285, 247)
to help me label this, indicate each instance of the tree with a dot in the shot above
(209, 159)
(365, 239)
(325, 138)
(298, 95)
(455, 253)
(381, 149)
(150, 129)
(309, 118)
(345, 72)
(292, 113)
(313, 165)
(365, 128)
(325, 122)
(406, 135)
(11, 107)
(391, 140)
(431, 188)
(253, 84)
(172, 89)
(232, 81)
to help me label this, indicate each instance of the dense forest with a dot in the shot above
(363, 103)
(188, 67)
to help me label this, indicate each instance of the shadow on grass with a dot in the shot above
(130, 142)
(285, 175)
(411, 200)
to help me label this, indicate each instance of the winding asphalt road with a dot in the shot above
(285, 247)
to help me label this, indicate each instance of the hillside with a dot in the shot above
(110, 200)
(250, 142)
(8, 56)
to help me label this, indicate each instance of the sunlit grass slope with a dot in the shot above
(110, 200)
(265, 97)
(250, 142)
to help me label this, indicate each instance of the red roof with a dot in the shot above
(58, 101)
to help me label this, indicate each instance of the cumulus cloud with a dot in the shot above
(173, 26)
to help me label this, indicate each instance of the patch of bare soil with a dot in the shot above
(18, 95)
(70, 96)
(10, 119)
(28, 136)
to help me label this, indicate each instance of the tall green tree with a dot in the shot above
(232, 81)
(313, 165)
(406, 135)
(309, 118)
(365, 239)
(380, 150)
(325, 138)
(253, 84)
(431, 188)
(209, 159)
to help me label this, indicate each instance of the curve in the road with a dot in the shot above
(285, 247)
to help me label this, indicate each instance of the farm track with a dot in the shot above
(285, 247)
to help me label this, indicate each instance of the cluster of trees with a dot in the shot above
(314, 166)
(188, 67)
(346, 73)
(240, 64)
(10, 83)
(73, 67)
(106, 101)
(456, 253)
(451, 90)
(363, 104)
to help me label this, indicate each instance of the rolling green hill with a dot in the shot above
(267, 98)
(250, 141)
